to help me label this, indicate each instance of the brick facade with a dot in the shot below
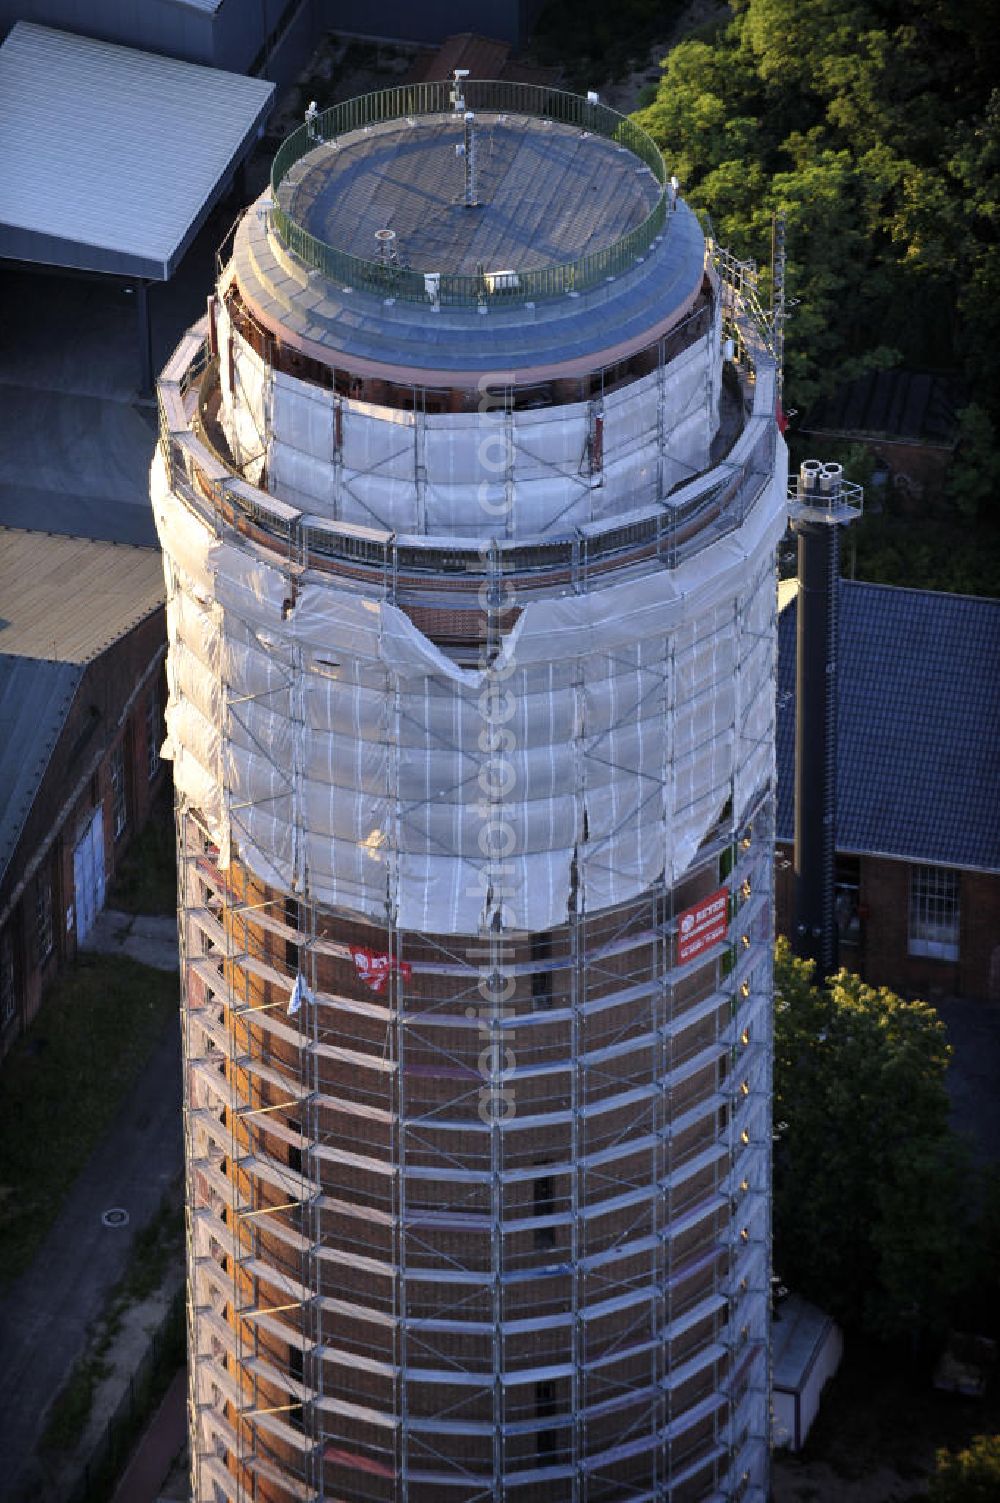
(882, 954)
(109, 711)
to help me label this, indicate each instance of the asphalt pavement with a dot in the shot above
(76, 436)
(45, 1315)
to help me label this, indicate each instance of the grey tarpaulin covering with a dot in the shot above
(340, 750)
(415, 473)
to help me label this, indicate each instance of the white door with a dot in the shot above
(88, 875)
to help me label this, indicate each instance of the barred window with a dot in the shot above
(44, 934)
(934, 912)
(119, 801)
(154, 732)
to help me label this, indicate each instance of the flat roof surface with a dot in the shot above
(113, 157)
(548, 193)
(66, 599)
(798, 1330)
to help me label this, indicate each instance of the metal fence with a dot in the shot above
(406, 102)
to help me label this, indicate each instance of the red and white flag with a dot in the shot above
(374, 968)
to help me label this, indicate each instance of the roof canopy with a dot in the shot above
(113, 157)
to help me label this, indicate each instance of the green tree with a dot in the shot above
(875, 126)
(969, 1476)
(869, 1179)
(974, 477)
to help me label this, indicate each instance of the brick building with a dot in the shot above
(918, 787)
(908, 420)
(82, 639)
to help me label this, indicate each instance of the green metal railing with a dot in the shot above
(452, 290)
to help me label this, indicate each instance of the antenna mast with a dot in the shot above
(778, 308)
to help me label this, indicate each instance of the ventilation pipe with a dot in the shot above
(818, 512)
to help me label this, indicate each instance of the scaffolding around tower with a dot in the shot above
(416, 1275)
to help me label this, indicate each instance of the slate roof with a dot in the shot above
(907, 406)
(918, 746)
(35, 699)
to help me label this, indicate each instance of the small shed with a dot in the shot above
(806, 1350)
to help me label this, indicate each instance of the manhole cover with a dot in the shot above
(115, 1217)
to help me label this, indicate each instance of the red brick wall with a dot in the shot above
(979, 972)
(104, 690)
(883, 957)
(784, 890)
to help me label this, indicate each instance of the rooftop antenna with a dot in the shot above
(388, 251)
(469, 151)
(457, 97)
(778, 306)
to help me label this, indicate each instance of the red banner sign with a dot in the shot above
(374, 969)
(703, 925)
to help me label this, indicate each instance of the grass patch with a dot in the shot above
(146, 879)
(156, 1247)
(62, 1084)
(71, 1410)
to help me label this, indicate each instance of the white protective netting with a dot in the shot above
(414, 473)
(342, 751)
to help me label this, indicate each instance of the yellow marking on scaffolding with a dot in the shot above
(278, 1106)
(288, 1205)
(275, 1409)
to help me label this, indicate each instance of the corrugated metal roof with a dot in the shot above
(111, 156)
(35, 699)
(918, 770)
(904, 406)
(67, 599)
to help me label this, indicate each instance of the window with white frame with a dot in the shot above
(44, 933)
(7, 998)
(153, 734)
(934, 912)
(119, 799)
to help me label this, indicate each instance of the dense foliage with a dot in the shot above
(969, 1476)
(868, 1205)
(875, 126)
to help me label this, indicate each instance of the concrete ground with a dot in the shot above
(45, 1314)
(152, 940)
(76, 439)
